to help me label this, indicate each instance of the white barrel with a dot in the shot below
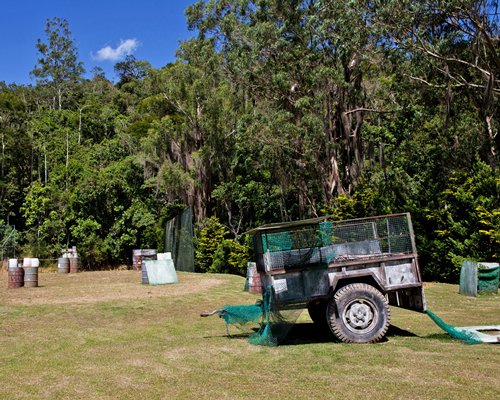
(12, 263)
(27, 262)
(35, 262)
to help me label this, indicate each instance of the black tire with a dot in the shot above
(317, 312)
(358, 313)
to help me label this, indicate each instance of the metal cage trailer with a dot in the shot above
(346, 273)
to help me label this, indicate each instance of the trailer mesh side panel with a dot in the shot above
(322, 243)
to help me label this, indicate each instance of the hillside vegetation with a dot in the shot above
(276, 110)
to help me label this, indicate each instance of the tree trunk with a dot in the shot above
(45, 163)
(493, 137)
(59, 97)
(67, 158)
(3, 153)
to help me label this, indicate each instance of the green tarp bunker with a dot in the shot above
(479, 278)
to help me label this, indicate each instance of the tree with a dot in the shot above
(131, 69)
(456, 45)
(278, 110)
(462, 222)
(58, 64)
(15, 148)
(299, 67)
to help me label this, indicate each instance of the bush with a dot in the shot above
(216, 252)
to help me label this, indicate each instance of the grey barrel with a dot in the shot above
(30, 277)
(63, 265)
(144, 274)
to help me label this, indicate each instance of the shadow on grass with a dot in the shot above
(307, 333)
(233, 334)
(395, 331)
(303, 333)
(441, 336)
(310, 333)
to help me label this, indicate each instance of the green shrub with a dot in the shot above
(216, 252)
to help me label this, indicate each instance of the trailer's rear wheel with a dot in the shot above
(358, 313)
(317, 312)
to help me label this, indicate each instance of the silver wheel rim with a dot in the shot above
(360, 316)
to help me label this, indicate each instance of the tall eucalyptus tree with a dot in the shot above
(58, 65)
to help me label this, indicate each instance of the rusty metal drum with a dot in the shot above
(254, 279)
(136, 259)
(139, 255)
(73, 263)
(16, 278)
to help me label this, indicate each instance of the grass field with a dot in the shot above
(103, 335)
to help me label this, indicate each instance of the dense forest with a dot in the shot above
(277, 110)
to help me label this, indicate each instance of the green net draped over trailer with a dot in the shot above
(295, 260)
(319, 241)
(294, 257)
(277, 242)
(275, 323)
(272, 324)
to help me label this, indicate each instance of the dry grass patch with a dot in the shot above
(103, 335)
(102, 286)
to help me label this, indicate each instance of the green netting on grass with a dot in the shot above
(273, 326)
(467, 337)
(488, 279)
(275, 323)
(242, 314)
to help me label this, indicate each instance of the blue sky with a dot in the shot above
(149, 29)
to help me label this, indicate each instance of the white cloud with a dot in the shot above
(125, 48)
